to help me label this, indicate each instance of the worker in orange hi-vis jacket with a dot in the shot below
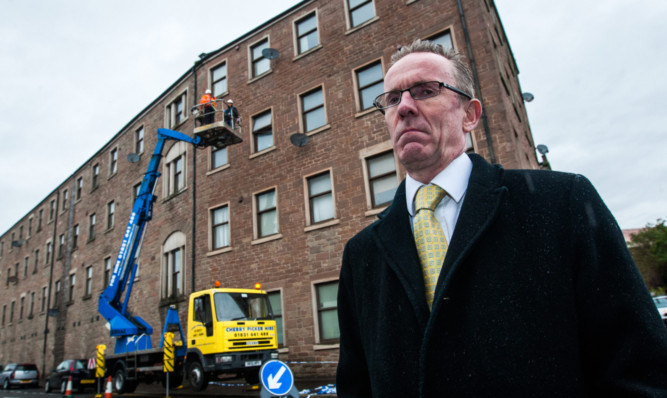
(208, 104)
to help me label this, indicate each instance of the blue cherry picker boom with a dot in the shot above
(230, 331)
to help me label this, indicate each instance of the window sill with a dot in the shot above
(218, 169)
(320, 347)
(167, 301)
(226, 249)
(365, 112)
(318, 130)
(254, 79)
(87, 297)
(267, 239)
(306, 53)
(172, 196)
(374, 212)
(363, 25)
(321, 225)
(264, 151)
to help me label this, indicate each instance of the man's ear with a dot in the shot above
(473, 112)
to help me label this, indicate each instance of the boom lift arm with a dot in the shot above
(131, 331)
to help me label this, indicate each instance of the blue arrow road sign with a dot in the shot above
(277, 378)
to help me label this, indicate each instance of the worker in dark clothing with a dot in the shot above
(207, 103)
(231, 114)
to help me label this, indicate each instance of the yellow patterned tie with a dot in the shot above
(429, 237)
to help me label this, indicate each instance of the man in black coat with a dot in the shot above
(538, 294)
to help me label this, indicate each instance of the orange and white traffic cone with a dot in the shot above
(107, 390)
(68, 389)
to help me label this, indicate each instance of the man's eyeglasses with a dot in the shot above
(419, 91)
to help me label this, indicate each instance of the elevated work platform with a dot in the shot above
(218, 134)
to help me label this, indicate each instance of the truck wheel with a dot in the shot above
(5, 385)
(63, 386)
(47, 386)
(120, 382)
(197, 377)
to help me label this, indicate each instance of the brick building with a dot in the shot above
(265, 210)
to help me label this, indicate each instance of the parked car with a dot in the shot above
(661, 305)
(19, 375)
(82, 377)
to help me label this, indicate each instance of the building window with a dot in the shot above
(267, 213)
(327, 311)
(49, 253)
(218, 157)
(382, 178)
(219, 80)
(175, 111)
(52, 210)
(320, 198)
(360, 11)
(136, 189)
(259, 63)
(89, 281)
(174, 169)
(26, 265)
(443, 38)
(40, 218)
(75, 238)
(4, 314)
(312, 108)
(79, 187)
(111, 210)
(173, 265)
(220, 227)
(56, 295)
(65, 198)
(139, 140)
(36, 262)
(107, 271)
(32, 304)
(96, 175)
(369, 84)
(21, 307)
(11, 312)
(262, 131)
(277, 307)
(92, 219)
(61, 245)
(44, 299)
(72, 281)
(29, 227)
(175, 180)
(307, 36)
(113, 161)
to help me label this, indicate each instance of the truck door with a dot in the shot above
(202, 324)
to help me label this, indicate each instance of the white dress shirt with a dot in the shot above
(454, 180)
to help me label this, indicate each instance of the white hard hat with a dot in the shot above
(208, 91)
(230, 101)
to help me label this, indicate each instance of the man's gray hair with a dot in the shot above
(462, 75)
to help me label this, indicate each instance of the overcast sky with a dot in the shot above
(74, 72)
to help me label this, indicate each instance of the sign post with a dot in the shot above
(168, 357)
(277, 380)
(99, 369)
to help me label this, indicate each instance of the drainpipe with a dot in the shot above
(193, 245)
(48, 288)
(485, 122)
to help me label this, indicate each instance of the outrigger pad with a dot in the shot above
(218, 134)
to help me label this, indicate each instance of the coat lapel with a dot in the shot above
(393, 235)
(481, 202)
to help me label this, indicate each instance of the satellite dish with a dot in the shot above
(527, 97)
(542, 149)
(132, 157)
(270, 53)
(298, 139)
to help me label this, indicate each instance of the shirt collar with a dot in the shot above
(453, 179)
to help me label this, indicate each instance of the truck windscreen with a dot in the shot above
(241, 306)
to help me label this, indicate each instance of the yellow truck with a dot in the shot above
(229, 332)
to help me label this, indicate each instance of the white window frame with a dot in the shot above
(252, 61)
(178, 152)
(298, 52)
(213, 227)
(213, 81)
(303, 112)
(175, 241)
(256, 216)
(310, 223)
(364, 156)
(358, 89)
(171, 110)
(255, 141)
(319, 342)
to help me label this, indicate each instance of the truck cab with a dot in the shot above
(229, 330)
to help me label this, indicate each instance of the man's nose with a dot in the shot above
(407, 104)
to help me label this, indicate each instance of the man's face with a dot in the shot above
(426, 134)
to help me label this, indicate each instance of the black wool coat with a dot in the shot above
(538, 296)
